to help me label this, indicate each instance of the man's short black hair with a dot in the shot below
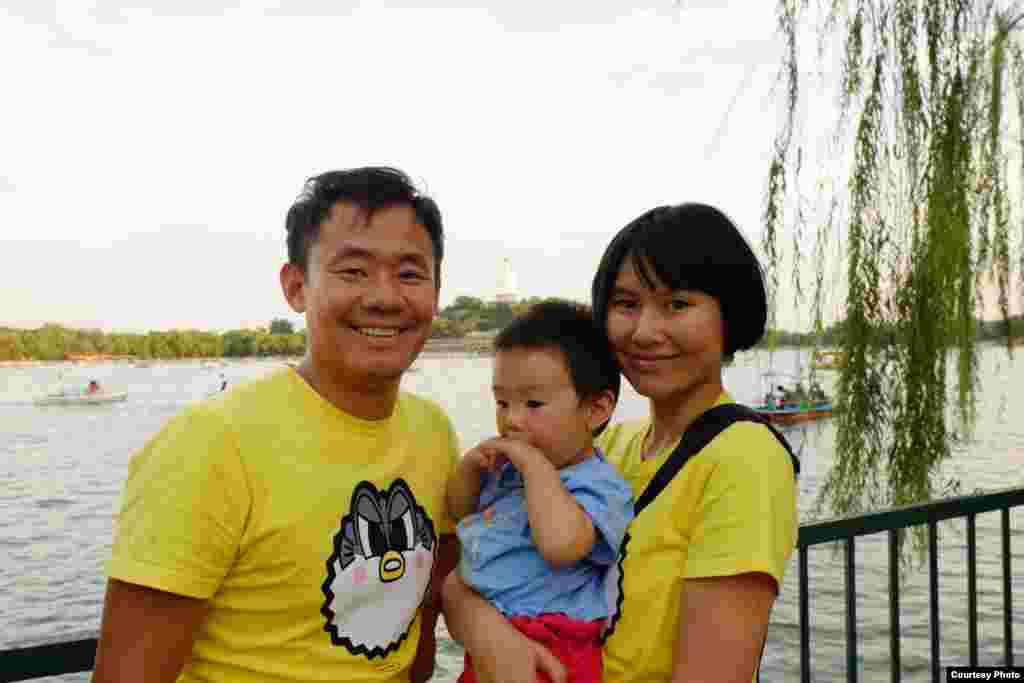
(570, 329)
(369, 188)
(691, 246)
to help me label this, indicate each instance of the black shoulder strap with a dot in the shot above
(706, 427)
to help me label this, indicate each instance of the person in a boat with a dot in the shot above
(541, 513)
(223, 382)
(306, 514)
(795, 394)
(93, 387)
(678, 290)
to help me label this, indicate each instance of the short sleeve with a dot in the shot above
(745, 520)
(608, 500)
(184, 508)
(451, 460)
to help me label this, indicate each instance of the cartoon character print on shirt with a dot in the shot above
(613, 591)
(378, 573)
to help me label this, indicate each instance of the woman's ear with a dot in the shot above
(600, 409)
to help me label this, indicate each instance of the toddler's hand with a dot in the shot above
(519, 453)
(483, 459)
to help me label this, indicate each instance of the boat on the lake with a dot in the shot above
(788, 402)
(90, 395)
(73, 397)
(794, 413)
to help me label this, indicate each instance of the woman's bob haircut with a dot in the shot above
(695, 247)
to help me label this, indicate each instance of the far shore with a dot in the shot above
(136, 361)
(462, 346)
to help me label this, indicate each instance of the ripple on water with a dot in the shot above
(52, 503)
(16, 440)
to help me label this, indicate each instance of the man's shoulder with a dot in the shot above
(241, 406)
(252, 394)
(271, 383)
(422, 408)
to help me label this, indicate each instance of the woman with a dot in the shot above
(678, 291)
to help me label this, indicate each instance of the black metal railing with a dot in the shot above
(51, 659)
(59, 658)
(891, 521)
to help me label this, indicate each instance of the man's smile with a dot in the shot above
(378, 331)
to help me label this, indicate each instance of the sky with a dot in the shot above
(151, 149)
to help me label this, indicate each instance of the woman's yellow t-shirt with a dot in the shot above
(730, 510)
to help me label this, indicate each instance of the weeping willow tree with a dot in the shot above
(924, 138)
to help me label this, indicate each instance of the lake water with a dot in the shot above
(62, 470)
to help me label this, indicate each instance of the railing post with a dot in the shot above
(851, 613)
(933, 595)
(805, 619)
(894, 605)
(972, 592)
(1007, 594)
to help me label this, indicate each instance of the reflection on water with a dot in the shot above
(62, 468)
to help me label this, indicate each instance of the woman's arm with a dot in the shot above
(722, 627)
(562, 531)
(500, 653)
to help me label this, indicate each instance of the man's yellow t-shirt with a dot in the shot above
(730, 510)
(311, 533)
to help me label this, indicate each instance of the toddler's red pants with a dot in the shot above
(574, 642)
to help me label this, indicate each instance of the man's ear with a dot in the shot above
(293, 284)
(600, 409)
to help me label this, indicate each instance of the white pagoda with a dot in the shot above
(507, 292)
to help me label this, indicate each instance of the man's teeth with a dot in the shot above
(379, 331)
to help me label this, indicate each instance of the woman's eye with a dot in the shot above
(623, 303)
(679, 304)
(534, 404)
(501, 404)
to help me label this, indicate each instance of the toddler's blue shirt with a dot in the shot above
(500, 560)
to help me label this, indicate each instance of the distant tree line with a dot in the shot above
(469, 314)
(466, 315)
(53, 342)
(987, 331)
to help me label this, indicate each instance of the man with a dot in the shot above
(289, 529)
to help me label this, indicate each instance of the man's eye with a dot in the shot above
(502, 404)
(412, 275)
(679, 304)
(353, 272)
(534, 404)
